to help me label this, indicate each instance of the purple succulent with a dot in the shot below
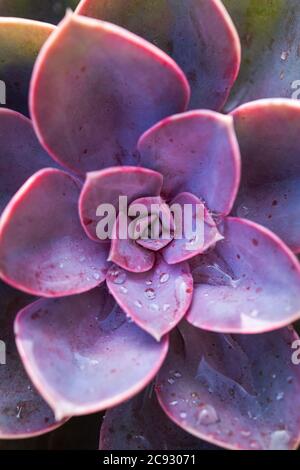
(149, 328)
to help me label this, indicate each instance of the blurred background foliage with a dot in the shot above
(51, 11)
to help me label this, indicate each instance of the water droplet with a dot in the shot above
(242, 211)
(280, 440)
(183, 415)
(96, 276)
(138, 304)
(177, 374)
(117, 276)
(254, 445)
(19, 412)
(123, 289)
(246, 433)
(284, 55)
(61, 265)
(280, 396)
(149, 283)
(173, 403)
(150, 294)
(274, 376)
(181, 290)
(154, 307)
(94, 362)
(171, 381)
(164, 278)
(166, 307)
(208, 415)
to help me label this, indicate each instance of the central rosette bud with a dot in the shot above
(153, 226)
(178, 229)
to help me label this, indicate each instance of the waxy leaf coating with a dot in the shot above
(83, 355)
(268, 134)
(196, 152)
(249, 284)
(110, 90)
(198, 34)
(155, 300)
(236, 391)
(141, 424)
(43, 248)
(23, 413)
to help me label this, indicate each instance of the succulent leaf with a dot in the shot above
(198, 34)
(43, 248)
(83, 355)
(20, 153)
(106, 186)
(156, 300)
(128, 254)
(187, 246)
(196, 152)
(110, 85)
(23, 413)
(270, 36)
(235, 391)
(268, 133)
(249, 284)
(140, 424)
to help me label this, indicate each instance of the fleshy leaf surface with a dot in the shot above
(127, 254)
(156, 300)
(110, 90)
(270, 36)
(236, 391)
(21, 41)
(197, 34)
(83, 355)
(249, 284)
(203, 235)
(43, 248)
(23, 413)
(196, 152)
(107, 186)
(141, 424)
(20, 153)
(268, 134)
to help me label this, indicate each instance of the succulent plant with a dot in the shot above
(185, 348)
